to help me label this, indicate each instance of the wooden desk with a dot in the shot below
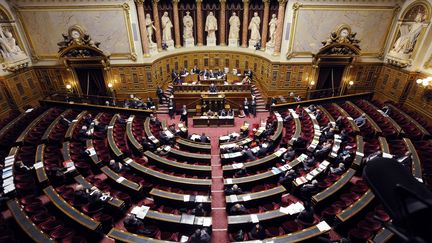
(343, 112)
(297, 122)
(70, 211)
(317, 131)
(278, 132)
(383, 236)
(179, 198)
(242, 142)
(51, 127)
(32, 230)
(110, 136)
(256, 164)
(124, 236)
(298, 236)
(193, 146)
(256, 196)
(168, 179)
(11, 124)
(359, 153)
(410, 119)
(328, 115)
(94, 157)
(384, 145)
(121, 180)
(337, 186)
(374, 125)
(200, 88)
(258, 178)
(416, 164)
(356, 207)
(39, 158)
(204, 121)
(161, 162)
(395, 125)
(148, 132)
(24, 133)
(73, 125)
(186, 156)
(135, 144)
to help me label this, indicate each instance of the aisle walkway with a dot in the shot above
(219, 215)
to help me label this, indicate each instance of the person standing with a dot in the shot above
(171, 108)
(160, 94)
(184, 115)
(246, 107)
(253, 106)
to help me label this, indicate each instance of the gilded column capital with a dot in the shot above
(296, 6)
(198, 1)
(282, 1)
(222, 1)
(266, 1)
(245, 1)
(175, 1)
(139, 2)
(155, 1)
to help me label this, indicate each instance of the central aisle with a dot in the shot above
(219, 215)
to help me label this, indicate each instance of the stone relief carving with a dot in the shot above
(341, 42)
(77, 37)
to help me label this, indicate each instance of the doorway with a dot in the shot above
(329, 81)
(92, 81)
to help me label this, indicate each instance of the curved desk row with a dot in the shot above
(203, 170)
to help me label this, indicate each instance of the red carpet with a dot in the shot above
(219, 214)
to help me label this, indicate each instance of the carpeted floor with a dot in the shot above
(219, 214)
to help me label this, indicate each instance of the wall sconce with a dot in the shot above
(68, 87)
(425, 82)
(311, 83)
(110, 85)
(350, 84)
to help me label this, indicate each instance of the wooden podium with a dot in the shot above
(212, 101)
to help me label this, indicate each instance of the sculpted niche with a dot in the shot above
(408, 34)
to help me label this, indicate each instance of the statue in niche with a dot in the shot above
(211, 26)
(234, 30)
(150, 27)
(408, 35)
(254, 27)
(9, 47)
(272, 30)
(187, 26)
(166, 28)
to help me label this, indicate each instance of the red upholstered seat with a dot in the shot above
(50, 225)
(359, 235)
(62, 233)
(291, 226)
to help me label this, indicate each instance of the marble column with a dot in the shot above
(157, 25)
(200, 30)
(264, 32)
(222, 23)
(176, 23)
(245, 23)
(142, 27)
(279, 28)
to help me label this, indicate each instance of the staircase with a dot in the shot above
(163, 108)
(261, 103)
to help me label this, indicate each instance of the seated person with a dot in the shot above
(287, 178)
(212, 88)
(246, 80)
(372, 156)
(147, 145)
(234, 190)
(195, 70)
(209, 113)
(199, 210)
(307, 189)
(258, 232)
(323, 150)
(223, 112)
(211, 74)
(88, 119)
(116, 166)
(239, 235)
(406, 159)
(204, 138)
(241, 114)
(150, 103)
(248, 154)
(230, 112)
(289, 155)
(99, 127)
(95, 198)
(241, 172)
(386, 109)
(343, 157)
(339, 122)
(338, 170)
(132, 223)
(307, 215)
(361, 120)
(238, 209)
(80, 195)
(200, 236)
(162, 151)
(299, 143)
(64, 120)
(308, 162)
(164, 137)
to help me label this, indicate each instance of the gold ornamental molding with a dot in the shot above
(82, 8)
(297, 7)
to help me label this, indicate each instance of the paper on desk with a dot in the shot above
(233, 198)
(360, 154)
(237, 165)
(229, 181)
(184, 238)
(38, 165)
(142, 212)
(275, 170)
(207, 221)
(199, 198)
(246, 197)
(323, 226)
(387, 155)
(128, 161)
(120, 179)
(284, 210)
(254, 218)
(186, 198)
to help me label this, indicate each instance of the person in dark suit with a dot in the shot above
(307, 189)
(80, 195)
(211, 74)
(307, 215)
(161, 95)
(253, 106)
(248, 154)
(116, 166)
(223, 112)
(200, 236)
(131, 223)
(234, 190)
(184, 115)
(65, 121)
(248, 73)
(199, 210)
(406, 159)
(212, 88)
(147, 145)
(287, 178)
(361, 120)
(203, 138)
(258, 232)
(195, 70)
(246, 107)
(171, 109)
(289, 155)
(88, 119)
(238, 209)
(150, 103)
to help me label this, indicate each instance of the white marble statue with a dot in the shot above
(187, 26)
(272, 30)
(234, 30)
(211, 26)
(166, 28)
(9, 48)
(409, 33)
(254, 27)
(150, 27)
